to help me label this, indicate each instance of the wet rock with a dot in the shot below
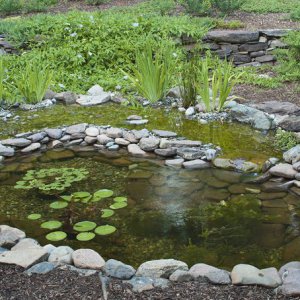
(190, 153)
(216, 194)
(54, 133)
(31, 148)
(92, 131)
(161, 268)
(168, 152)
(277, 186)
(78, 128)
(61, 255)
(26, 243)
(164, 143)
(224, 163)
(181, 276)
(18, 142)
(292, 155)
(41, 268)
(196, 164)
(6, 151)
(243, 274)
(164, 133)
(174, 162)
(227, 176)
(114, 132)
(149, 144)
(271, 196)
(117, 269)
(88, 259)
(67, 98)
(9, 236)
(283, 170)
(135, 150)
(271, 162)
(271, 235)
(291, 283)
(248, 167)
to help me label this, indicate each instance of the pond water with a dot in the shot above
(210, 216)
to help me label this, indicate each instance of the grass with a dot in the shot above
(270, 6)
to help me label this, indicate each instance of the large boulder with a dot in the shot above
(9, 236)
(233, 36)
(283, 170)
(61, 255)
(277, 107)
(292, 155)
(149, 143)
(292, 123)
(117, 269)
(95, 96)
(87, 259)
(291, 283)
(6, 151)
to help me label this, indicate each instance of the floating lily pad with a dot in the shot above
(84, 226)
(34, 216)
(58, 204)
(105, 229)
(56, 236)
(66, 198)
(51, 225)
(85, 236)
(118, 205)
(81, 194)
(106, 213)
(87, 199)
(103, 193)
(120, 199)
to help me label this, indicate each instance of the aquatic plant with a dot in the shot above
(51, 181)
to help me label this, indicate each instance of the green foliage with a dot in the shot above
(34, 82)
(85, 236)
(233, 24)
(51, 225)
(51, 181)
(285, 140)
(105, 229)
(97, 2)
(270, 6)
(2, 78)
(56, 236)
(295, 14)
(199, 7)
(164, 6)
(227, 6)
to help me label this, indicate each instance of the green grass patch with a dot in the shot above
(270, 6)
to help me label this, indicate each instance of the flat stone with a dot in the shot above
(164, 133)
(122, 142)
(243, 274)
(196, 164)
(26, 243)
(18, 142)
(141, 284)
(61, 255)
(277, 107)
(135, 150)
(161, 268)
(54, 133)
(283, 170)
(9, 236)
(41, 268)
(137, 122)
(292, 155)
(134, 117)
(291, 283)
(31, 148)
(233, 36)
(37, 137)
(114, 132)
(181, 276)
(24, 258)
(266, 58)
(55, 144)
(103, 139)
(168, 152)
(92, 131)
(88, 259)
(78, 128)
(149, 143)
(90, 139)
(190, 153)
(250, 47)
(224, 163)
(6, 151)
(65, 138)
(275, 32)
(288, 266)
(117, 269)
(164, 143)
(88, 100)
(292, 123)
(129, 136)
(174, 162)
(80, 272)
(140, 133)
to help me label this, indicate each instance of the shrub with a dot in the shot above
(285, 140)
(295, 14)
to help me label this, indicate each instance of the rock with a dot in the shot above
(277, 186)
(196, 164)
(168, 152)
(224, 163)
(266, 58)
(149, 143)
(96, 96)
(291, 283)
(269, 163)
(257, 54)
(55, 144)
(174, 162)
(140, 133)
(289, 266)
(9, 236)
(161, 268)
(67, 98)
(134, 117)
(277, 107)
(24, 258)
(26, 243)
(161, 283)
(292, 123)
(275, 32)
(37, 137)
(78, 128)
(164, 143)
(114, 148)
(49, 248)
(92, 131)
(121, 141)
(54, 133)
(248, 167)
(41, 268)
(31, 148)
(103, 139)
(243, 274)
(272, 273)
(117, 269)
(129, 136)
(296, 166)
(95, 90)
(61, 255)
(90, 139)
(181, 276)
(6, 151)
(135, 150)
(2, 250)
(114, 132)
(141, 284)
(49, 94)
(164, 133)
(190, 111)
(18, 142)
(88, 259)
(241, 58)
(80, 272)
(292, 155)
(174, 92)
(137, 122)
(190, 153)
(251, 47)
(233, 36)
(251, 64)
(283, 170)
(210, 154)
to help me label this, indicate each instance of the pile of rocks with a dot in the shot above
(5, 47)
(16, 249)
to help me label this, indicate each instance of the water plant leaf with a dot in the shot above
(84, 226)
(34, 216)
(66, 198)
(58, 204)
(81, 194)
(85, 236)
(118, 205)
(120, 199)
(106, 213)
(105, 229)
(56, 236)
(104, 193)
(87, 199)
(51, 225)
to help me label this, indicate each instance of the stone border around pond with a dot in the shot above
(18, 250)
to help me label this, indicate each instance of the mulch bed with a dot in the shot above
(64, 285)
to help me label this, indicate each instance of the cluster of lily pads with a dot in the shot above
(51, 181)
(86, 230)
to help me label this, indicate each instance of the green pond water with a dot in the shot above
(210, 216)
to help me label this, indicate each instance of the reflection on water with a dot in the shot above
(211, 216)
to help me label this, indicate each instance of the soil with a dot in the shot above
(60, 284)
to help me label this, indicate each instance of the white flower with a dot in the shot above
(73, 34)
(79, 55)
(135, 24)
(80, 25)
(90, 53)
(92, 19)
(61, 85)
(174, 54)
(67, 28)
(125, 77)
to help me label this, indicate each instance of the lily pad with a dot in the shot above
(120, 199)
(103, 193)
(51, 225)
(58, 204)
(84, 226)
(105, 229)
(81, 194)
(66, 198)
(56, 236)
(106, 213)
(85, 236)
(34, 216)
(118, 205)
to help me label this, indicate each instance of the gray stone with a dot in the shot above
(241, 58)
(292, 123)
(9, 236)
(90, 139)
(251, 47)
(61, 255)
(24, 258)
(288, 266)
(181, 276)
(80, 272)
(92, 131)
(196, 164)
(190, 111)
(164, 133)
(37, 137)
(117, 269)
(247, 167)
(49, 94)
(149, 143)
(135, 150)
(129, 136)
(277, 107)
(122, 141)
(296, 166)
(291, 283)
(283, 170)
(210, 154)
(78, 128)
(250, 64)
(92, 100)
(272, 273)
(257, 54)
(114, 132)
(266, 58)
(32, 147)
(164, 143)
(41, 268)
(168, 152)
(243, 274)
(224, 163)
(161, 268)
(87, 259)
(190, 153)
(174, 92)
(140, 133)
(269, 163)
(134, 117)
(74, 142)
(292, 155)
(114, 148)
(174, 162)
(141, 284)
(55, 144)
(103, 139)
(233, 36)
(6, 151)
(277, 186)
(137, 122)
(67, 98)
(26, 243)
(275, 32)
(49, 248)
(18, 142)
(54, 133)
(161, 283)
